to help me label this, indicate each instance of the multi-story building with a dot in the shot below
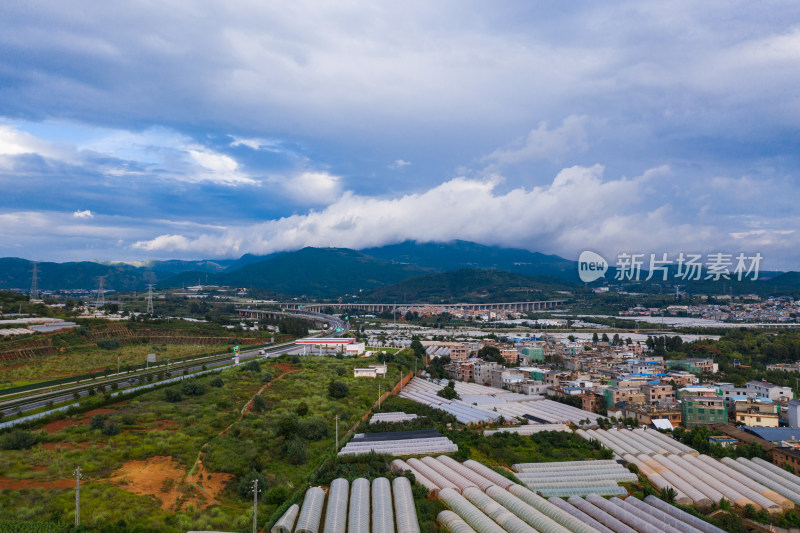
(765, 389)
(758, 412)
(509, 354)
(482, 371)
(695, 365)
(614, 395)
(793, 413)
(703, 410)
(658, 394)
(787, 457)
(459, 352)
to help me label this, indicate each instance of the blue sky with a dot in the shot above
(200, 130)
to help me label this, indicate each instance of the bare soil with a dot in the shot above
(58, 425)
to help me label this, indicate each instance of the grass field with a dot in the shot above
(76, 361)
(177, 466)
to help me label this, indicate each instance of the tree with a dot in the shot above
(315, 428)
(287, 426)
(604, 338)
(18, 439)
(111, 429)
(216, 382)
(491, 354)
(595, 338)
(301, 409)
(418, 348)
(173, 394)
(668, 494)
(244, 487)
(338, 389)
(98, 422)
(192, 387)
(295, 450)
(259, 404)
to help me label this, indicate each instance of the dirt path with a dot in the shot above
(195, 474)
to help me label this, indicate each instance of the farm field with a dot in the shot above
(81, 360)
(188, 463)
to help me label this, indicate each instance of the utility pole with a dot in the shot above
(117, 364)
(255, 505)
(379, 395)
(336, 443)
(78, 496)
(34, 295)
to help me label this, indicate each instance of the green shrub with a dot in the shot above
(295, 450)
(98, 422)
(173, 394)
(266, 377)
(19, 439)
(340, 371)
(244, 487)
(108, 344)
(301, 409)
(111, 429)
(315, 428)
(192, 387)
(216, 382)
(338, 389)
(252, 366)
(287, 426)
(259, 404)
(276, 495)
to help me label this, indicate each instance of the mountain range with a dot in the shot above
(408, 271)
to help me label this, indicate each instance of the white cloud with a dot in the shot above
(312, 187)
(544, 143)
(257, 143)
(578, 209)
(399, 163)
(83, 214)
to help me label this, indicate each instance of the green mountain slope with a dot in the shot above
(311, 272)
(16, 273)
(455, 255)
(471, 285)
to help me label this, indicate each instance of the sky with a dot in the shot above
(191, 130)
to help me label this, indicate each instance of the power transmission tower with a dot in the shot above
(35, 282)
(255, 505)
(78, 496)
(149, 298)
(101, 294)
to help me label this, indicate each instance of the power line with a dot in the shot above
(35, 282)
(149, 298)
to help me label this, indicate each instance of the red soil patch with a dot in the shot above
(150, 477)
(163, 477)
(67, 445)
(17, 484)
(58, 425)
(164, 424)
(210, 484)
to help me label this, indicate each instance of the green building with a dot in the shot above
(535, 355)
(703, 410)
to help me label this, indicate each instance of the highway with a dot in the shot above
(35, 399)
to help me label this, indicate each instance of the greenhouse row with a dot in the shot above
(398, 443)
(360, 507)
(391, 417)
(499, 511)
(700, 480)
(480, 404)
(576, 478)
(529, 429)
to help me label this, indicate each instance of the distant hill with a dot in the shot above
(470, 285)
(249, 259)
(457, 254)
(312, 272)
(15, 273)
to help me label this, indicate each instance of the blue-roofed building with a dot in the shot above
(774, 435)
